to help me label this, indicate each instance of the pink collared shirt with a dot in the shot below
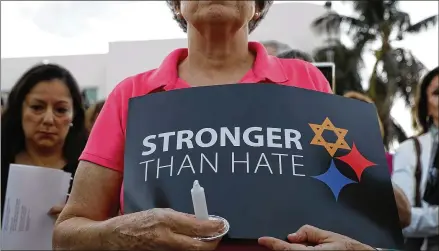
(105, 146)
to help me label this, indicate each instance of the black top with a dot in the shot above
(69, 167)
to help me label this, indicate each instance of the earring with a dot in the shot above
(256, 16)
(178, 14)
(71, 124)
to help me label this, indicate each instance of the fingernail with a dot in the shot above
(294, 236)
(219, 224)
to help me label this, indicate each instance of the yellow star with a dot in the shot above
(320, 141)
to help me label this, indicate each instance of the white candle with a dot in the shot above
(199, 201)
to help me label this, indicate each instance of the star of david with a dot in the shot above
(320, 141)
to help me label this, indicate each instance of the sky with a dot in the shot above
(54, 28)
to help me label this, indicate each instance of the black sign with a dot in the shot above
(271, 159)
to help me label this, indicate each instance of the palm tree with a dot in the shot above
(396, 71)
(347, 72)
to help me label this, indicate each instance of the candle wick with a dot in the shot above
(196, 183)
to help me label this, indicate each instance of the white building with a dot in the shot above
(289, 23)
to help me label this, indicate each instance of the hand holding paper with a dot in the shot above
(56, 210)
(31, 192)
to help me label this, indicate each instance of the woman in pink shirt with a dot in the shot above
(218, 53)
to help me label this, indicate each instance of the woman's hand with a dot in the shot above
(56, 210)
(312, 238)
(160, 229)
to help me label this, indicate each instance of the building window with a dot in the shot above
(91, 95)
(5, 95)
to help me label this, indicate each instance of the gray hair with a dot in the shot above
(297, 54)
(263, 6)
(280, 47)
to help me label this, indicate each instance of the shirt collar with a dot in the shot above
(265, 68)
(434, 132)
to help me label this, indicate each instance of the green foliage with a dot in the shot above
(396, 71)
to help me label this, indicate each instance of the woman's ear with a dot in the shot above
(258, 10)
(256, 16)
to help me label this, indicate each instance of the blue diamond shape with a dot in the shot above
(334, 179)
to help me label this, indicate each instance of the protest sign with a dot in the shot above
(271, 159)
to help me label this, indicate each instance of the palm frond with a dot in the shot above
(391, 4)
(331, 22)
(361, 39)
(401, 21)
(423, 24)
(404, 72)
(371, 11)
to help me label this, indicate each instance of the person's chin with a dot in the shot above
(46, 143)
(219, 20)
(219, 12)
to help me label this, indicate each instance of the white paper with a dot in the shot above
(30, 194)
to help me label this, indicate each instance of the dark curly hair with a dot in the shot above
(262, 5)
(421, 110)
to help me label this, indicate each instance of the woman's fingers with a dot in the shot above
(189, 225)
(313, 235)
(296, 238)
(183, 242)
(279, 245)
(273, 243)
(56, 210)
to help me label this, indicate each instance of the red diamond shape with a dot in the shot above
(356, 161)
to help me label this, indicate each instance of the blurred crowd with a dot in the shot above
(46, 121)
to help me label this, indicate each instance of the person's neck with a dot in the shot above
(52, 158)
(215, 52)
(436, 121)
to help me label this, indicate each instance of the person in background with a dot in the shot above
(402, 202)
(92, 113)
(297, 55)
(44, 123)
(415, 169)
(274, 47)
(85, 100)
(218, 53)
